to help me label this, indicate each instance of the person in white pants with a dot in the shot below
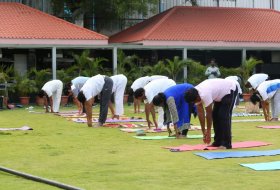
(148, 93)
(119, 84)
(53, 90)
(268, 90)
(140, 83)
(74, 88)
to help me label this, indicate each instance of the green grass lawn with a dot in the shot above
(106, 158)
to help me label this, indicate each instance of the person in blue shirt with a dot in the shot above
(176, 109)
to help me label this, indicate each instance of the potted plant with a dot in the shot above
(41, 77)
(24, 86)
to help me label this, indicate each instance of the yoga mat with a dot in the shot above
(245, 144)
(269, 127)
(247, 120)
(166, 137)
(237, 154)
(243, 114)
(145, 130)
(24, 128)
(263, 166)
(109, 120)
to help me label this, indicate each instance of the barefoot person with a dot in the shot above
(52, 90)
(268, 91)
(74, 88)
(119, 84)
(98, 84)
(148, 93)
(176, 109)
(222, 94)
(140, 83)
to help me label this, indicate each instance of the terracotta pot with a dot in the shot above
(24, 100)
(246, 97)
(125, 98)
(64, 100)
(39, 101)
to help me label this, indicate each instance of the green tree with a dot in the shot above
(174, 67)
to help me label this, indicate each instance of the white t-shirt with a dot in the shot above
(143, 81)
(52, 86)
(77, 84)
(267, 89)
(93, 86)
(235, 79)
(118, 81)
(256, 79)
(157, 86)
(213, 90)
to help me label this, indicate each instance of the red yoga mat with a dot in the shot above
(245, 144)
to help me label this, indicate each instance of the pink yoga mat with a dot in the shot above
(269, 127)
(245, 144)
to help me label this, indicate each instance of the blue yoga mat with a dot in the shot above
(237, 154)
(264, 166)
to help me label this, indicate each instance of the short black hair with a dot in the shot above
(81, 97)
(191, 95)
(41, 93)
(139, 92)
(255, 98)
(159, 99)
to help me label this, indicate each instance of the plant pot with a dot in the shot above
(246, 97)
(125, 98)
(39, 101)
(64, 100)
(24, 100)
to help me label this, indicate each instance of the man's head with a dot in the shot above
(212, 63)
(159, 99)
(248, 84)
(192, 96)
(256, 97)
(41, 93)
(139, 93)
(81, 97)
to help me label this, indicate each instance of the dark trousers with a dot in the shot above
(105, 97)
(221, 115)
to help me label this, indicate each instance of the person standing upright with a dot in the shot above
(212, 71)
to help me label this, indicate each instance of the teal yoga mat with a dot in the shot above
(166, 137)
(263, 166)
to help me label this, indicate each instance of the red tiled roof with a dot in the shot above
(18, 21)
(206, 24)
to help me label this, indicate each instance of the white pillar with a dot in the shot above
(54, 62)
(185, 57)
(115, 60)
(243, 56)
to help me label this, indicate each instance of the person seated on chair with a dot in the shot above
(119, 84)
(220, 93)
(52, 90)
(176, 109)
(98, 84)
(268, 91)
(148, 93)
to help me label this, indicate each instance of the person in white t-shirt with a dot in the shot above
(98, 84)
(268, 91)
(237, 81)
(148, 93)
(212, 71)
(52, 90)
(74, 88)
(221, 94)
(119, 84)
(140, 83)
(255, 80)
